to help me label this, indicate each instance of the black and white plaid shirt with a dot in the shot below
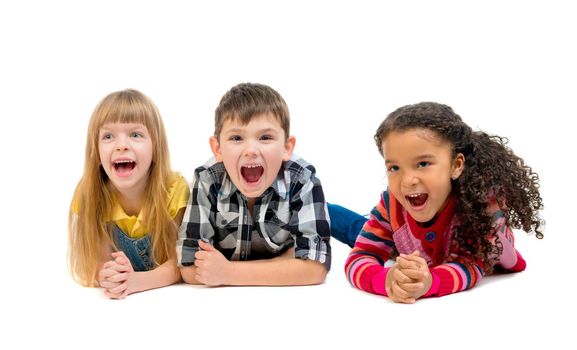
(292, 210)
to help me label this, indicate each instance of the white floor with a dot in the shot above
(519, 310)
(505, 67)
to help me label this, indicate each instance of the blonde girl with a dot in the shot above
(128, 204)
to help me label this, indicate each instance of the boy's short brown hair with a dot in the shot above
(246, 100)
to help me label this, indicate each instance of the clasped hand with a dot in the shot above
(408, 279)
(116, 276)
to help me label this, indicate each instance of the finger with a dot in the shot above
(118, 254)
(400, 296)
(414, 275)
(200, 278)
(119, 289)
(400, 276)
(118, 278)
(399, 292)
(414, 256)
(108, 284)
(407, 301)
(405, 263)
(411, 288)
(124, 294)
(202, 254)
(111, 295)
(105, 273)
(120, 257)
(108, 264)
(122, 268)
(205, 246)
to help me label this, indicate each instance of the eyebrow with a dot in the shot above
(241, 130)
(417, 158)
(140, 128)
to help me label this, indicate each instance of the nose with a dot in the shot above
(121, 143)
(410, 179)
(251, 148)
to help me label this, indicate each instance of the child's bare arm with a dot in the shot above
(212, 268)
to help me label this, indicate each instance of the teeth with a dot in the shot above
(251, 166)
(414, 195)
(123, 161)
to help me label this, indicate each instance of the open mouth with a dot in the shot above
(417, 200)
(251, 173)
(124, 167)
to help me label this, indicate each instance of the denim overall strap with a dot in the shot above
(137, 250)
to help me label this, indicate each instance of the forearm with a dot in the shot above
(164, 275)
(366, 273)
(277, 272)
(454, 277)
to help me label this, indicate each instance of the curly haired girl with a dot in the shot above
(453, 197)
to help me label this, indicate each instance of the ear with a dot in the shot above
(458, 166)
(215, 147)
(289, 146)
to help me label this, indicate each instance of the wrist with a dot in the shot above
(389, 279)
(135, 282)
(434, 283)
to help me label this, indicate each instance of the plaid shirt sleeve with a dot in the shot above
(196, 223)
(309, 221)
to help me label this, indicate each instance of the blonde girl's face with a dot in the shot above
(126, 155)
(420, 167)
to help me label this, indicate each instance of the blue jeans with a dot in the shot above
(137, 250)
(345, 224)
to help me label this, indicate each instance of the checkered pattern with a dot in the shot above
(290, 213)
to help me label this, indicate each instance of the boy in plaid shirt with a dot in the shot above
(256, 213)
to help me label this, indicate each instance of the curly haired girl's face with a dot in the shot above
(420, 167)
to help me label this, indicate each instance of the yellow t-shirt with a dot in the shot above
(133, 226)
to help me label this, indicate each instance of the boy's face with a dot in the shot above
(420, 167)
(253, 153)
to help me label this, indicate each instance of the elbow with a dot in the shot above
(318, 273)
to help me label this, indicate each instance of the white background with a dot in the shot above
(507, 67)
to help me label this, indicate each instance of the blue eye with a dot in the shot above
(136, 134)
(423, 164)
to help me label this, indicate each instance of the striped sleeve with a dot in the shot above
(454, 277)
(373, 247)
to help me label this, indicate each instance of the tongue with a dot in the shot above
(418, 200)
(125, 167)
(252, 174)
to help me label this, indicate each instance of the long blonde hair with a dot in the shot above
(88, 232)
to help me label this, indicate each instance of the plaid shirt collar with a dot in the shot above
(279, 185)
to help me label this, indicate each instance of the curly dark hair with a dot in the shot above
(491, 169)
